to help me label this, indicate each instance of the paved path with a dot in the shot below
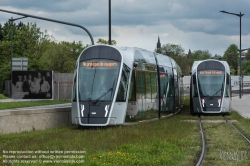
(242, 105)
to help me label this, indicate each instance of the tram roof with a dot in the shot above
(196, 64)
(144, 56)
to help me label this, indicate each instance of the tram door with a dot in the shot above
(146, 94)
(141, 95)
(163, 90)
(176, 90)
(171, 95)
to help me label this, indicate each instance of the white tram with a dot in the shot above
(210, 87)
(114, 85)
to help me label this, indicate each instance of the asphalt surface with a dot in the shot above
(242, 105)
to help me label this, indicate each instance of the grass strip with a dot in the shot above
(21, 104)
(3, 97)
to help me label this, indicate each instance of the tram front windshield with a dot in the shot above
(97, 79)
(211, 82)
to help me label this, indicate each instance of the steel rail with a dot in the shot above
(237, 130)
(203, 144)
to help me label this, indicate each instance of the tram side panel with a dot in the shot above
(75, 116)
(120, 105)
(226, 101)
(194, 99)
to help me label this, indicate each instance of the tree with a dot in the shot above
(171, 50)
(232, 69)
(103, 41)
(177, 53)
(231, 55)
(246, 68)
(42, 50)
(247, 55)
(184, 63)
(62, 55)
(200, 55)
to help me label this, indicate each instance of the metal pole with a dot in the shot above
(240, 80)
(11, 24)
(109, 22)
(11, 64)
(58, 90)
(240, 60)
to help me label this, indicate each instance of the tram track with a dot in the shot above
(227, 121)
(203, 143)
(203, 140)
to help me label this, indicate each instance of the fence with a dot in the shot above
(62, 84)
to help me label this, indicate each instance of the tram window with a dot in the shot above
(123, 87)
(74, 90)
(97, 79)
(176, 87)
(148, 85)
(132, 88)
(140, 83)
(153, 85)
(164, 85)
(171, 86)
(211, 82)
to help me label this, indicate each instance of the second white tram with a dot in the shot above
(210, 87)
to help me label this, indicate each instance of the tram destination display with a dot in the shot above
(32, 84)
(211, 72)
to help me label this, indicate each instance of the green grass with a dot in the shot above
(168, 141)
(3, 97)
(224, 144)
(21, 104)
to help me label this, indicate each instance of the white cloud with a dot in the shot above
(193, 24)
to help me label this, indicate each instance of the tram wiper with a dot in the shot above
(112, 88)
(217, 92)
(102, 96)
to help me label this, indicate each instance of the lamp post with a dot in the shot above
(11, 24)
(239, 15)
(242, 76)
(109, 22)
(51, 20)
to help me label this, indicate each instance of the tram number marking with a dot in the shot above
(82, 109)
(106, 109)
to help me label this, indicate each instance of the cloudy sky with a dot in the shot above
(194, 24)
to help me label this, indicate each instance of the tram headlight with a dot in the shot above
(203, 102)
(219, 102)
